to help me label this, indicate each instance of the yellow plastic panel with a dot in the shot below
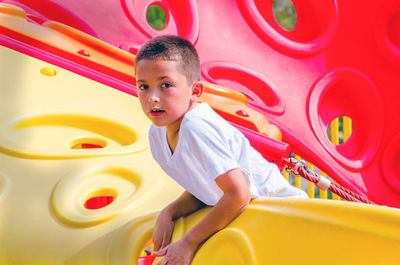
(45, 116)
(302, 231)
(47, 174)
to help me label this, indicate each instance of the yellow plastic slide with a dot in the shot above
(48, 119)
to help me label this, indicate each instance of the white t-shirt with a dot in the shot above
(208, 146)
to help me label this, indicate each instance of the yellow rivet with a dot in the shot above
(48, 71)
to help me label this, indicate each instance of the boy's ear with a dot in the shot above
(198, 89)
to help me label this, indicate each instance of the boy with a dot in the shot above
(211, 159)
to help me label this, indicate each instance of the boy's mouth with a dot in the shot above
(156, 112)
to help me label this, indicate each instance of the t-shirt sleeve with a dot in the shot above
(207, 147)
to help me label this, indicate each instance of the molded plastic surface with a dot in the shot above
(295, 231)
(342, 58)
(45, 183)
(76, 165)
(66, 140)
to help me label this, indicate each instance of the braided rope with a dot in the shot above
(334, 187)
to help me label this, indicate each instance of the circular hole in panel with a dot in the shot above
(390, 163)
(347, 92)
(285, 14)
(182, 18)
(239, 78)
(88, 143)
(340, 129)
(100, 199)
(156, 16)
(316, 23)
(314, 19)
(86, 198)
(98, 202)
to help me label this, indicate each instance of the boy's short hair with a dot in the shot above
(173, 48)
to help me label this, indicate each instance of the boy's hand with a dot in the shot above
(162, 231)
(178, 253)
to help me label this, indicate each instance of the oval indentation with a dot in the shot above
(182, 17)
(246, 81)
(388, 31)
(71, 194)
(390, 163)
(351, 93)
(316, 25)
(60, 135)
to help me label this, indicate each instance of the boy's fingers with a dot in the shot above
(164, 244)
(166, 238)
(156, 244)
(162, 262)
(161, 252)
(156, 247)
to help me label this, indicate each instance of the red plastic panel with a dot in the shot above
(147, 260)
(342, 59)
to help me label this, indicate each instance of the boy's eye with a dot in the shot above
(143, 87)
(166, 85)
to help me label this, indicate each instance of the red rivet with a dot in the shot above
(242, 113)
(84, 53)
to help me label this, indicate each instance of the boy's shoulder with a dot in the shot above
(204, 120)
(201, 117)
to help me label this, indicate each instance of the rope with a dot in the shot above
(333, 187)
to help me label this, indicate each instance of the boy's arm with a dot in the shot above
(236, 197)
(184, 205)
(164, 227)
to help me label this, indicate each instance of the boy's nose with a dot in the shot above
(154, 98)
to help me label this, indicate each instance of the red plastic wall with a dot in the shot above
(343, 58)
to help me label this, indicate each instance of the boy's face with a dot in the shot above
(164, 92)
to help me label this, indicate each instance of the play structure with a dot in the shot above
(78, 184)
